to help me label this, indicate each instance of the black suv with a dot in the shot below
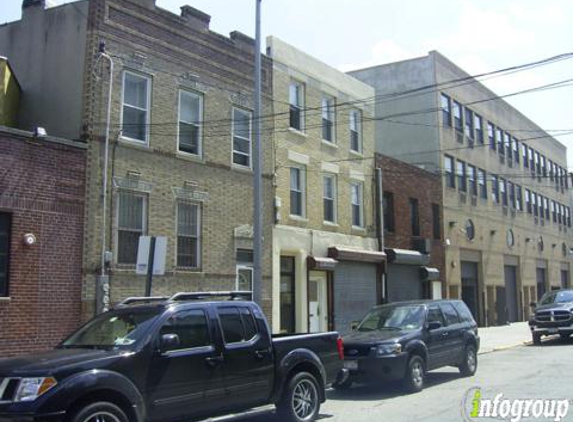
(404, 340)
(553, 315)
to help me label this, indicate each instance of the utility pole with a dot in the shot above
(257, 169)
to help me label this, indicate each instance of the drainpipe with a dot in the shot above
(380, 229)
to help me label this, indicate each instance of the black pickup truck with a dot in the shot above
(186, 357)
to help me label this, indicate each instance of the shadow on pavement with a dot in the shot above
(387, 390)
(553, 341)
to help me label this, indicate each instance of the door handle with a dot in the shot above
(214, 361)
(260, 354)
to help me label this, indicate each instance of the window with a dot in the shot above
(546, 206)
(388, 205)
(242, 132)
(461, 175)
(356, 131)
(188, 235)
(450, 313)
(478, 123)
(540, 200)
(436, 223)
(511, 190)
(534, 203)
(414, 217)
(550, 170)
(463, 311)
(357, 193)
(524, 155)
(528, 200)
(446, 111)
(491, 135)
(472, 178)
(518, 198)
(537, 163)
(450, 176)
(515, 150)
(499, 137)
(328, 119)
(296, 101)
(503, 191)
(297, 192)
(287, 295)
(190, 111)
(329, 198)
(469, 124)
(494, 189)
(131, 225)
(5, 229)
(135, 109)
(458, 116)
(482, 184)
(435, 315)
(554, 211)
(191, 328)
(238, 325)
(531, 162)
(508, 148)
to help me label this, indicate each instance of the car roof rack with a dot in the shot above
(231, 295)
(141, 300)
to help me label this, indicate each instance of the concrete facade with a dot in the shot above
(41, 234)
(308, 294)
(500, 253)
(10, 93)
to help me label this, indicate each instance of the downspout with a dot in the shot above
(380, 232)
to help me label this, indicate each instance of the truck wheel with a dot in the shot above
(536, 339)
(413, 382)
(99, 412)
(300, 401)
(469, 363)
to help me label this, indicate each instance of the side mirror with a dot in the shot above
(533, 304)
(354, 325)
(169, 342)
(434, 325)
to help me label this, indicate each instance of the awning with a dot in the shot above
(429, 273)
(407, 257)
(361, 255)
(319, 263)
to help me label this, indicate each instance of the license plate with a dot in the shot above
(351, 364)
(553, 331)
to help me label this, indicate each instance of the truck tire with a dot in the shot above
(101, 411)
(300, 401)
(469, 363)
(415, 377)
(536, 339)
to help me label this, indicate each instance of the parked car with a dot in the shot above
(553, 315)
(167, 359)
(405, 340)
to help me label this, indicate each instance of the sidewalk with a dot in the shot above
(503, 337)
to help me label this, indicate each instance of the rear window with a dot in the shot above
(238, 324)
(450, 313)
(463, 311)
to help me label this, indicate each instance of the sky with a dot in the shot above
(477, 35)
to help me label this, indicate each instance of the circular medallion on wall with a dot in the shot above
(510, 238)
(470, 230)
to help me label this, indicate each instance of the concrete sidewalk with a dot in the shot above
(503, 337)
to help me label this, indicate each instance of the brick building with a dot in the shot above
(41, 234)
(413, 238)
(180, 162)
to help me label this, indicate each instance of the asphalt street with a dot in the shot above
(523, 372)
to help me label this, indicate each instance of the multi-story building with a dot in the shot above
(507, 221)
(413, 242)
(327, 268)
(180, 155)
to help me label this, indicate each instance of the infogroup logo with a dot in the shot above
(475, 407)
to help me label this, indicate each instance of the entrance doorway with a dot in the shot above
(317, 301)
(540, 282)
(470, 287)
(511, 298)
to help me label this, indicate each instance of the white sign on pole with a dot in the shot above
(159, 255)
(143, 255)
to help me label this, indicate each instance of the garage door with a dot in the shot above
(404, 282)
(354, 293)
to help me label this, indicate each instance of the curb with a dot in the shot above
(506, 347)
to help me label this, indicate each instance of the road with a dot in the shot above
(519, 373)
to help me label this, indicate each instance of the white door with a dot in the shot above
(317, 302)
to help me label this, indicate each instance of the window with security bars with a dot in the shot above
(135, 110)
(328, 119)
(356, 130)
(131, 224)
(296, 102)
(190, 110)
(188, 235)
(5, 229)
(242, 135)
(329, 198)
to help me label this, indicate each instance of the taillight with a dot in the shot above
(340, 346)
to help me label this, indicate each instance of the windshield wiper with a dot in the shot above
(87, 346)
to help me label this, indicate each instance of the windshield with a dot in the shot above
(112, 330)
(564, 296)
(403, 318)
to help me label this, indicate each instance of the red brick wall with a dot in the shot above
(406, 181)
(42, 187)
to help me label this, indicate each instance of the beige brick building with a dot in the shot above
(326, 268)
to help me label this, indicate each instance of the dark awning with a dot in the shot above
(319, 263)
(361, 255)
(407, 257)
(429, 273)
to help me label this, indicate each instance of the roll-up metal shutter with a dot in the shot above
(354, 293)
(404, 283)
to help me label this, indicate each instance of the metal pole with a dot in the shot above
(257, 169)
(150, 265)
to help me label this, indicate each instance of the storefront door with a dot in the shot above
(317, 301)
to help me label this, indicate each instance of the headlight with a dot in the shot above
(32, 388)
(388, 349)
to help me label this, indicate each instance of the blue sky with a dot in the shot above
(478, 35)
